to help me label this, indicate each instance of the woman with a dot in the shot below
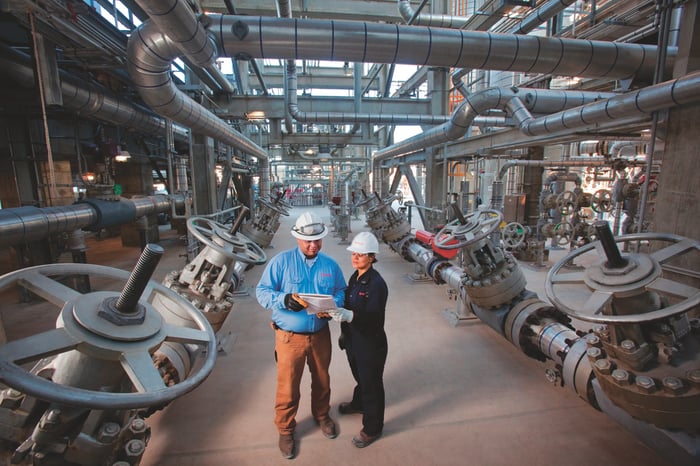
(363, 338)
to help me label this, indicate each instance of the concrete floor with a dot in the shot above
(455, 394)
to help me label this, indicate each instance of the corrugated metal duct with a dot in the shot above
(536, 100)
(86, 99)
(356, 41)
(637, 104)
(292, 100)
(528, 24)
(150, 54)
(378, 118)
(681, 91)
(178, 22)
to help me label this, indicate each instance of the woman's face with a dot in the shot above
(360, 261)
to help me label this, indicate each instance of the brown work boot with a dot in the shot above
(328, 427)
(362, 440)
(348, 408)
(286, 445)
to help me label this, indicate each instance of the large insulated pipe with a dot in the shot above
(25, 224)
(150, 54)
(636, 104)
(87, 99)
(287, 38)
(291, 88)
(178, 22)
(542, 14)
(681, 91)
(536, 100)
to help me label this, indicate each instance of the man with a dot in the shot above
(301, 338)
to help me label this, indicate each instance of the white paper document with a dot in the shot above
(318, 302)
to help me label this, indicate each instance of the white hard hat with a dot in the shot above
(309, 227)
(364, 243)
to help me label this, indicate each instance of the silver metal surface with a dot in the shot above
(150, 54)
(592, 304)
(134, 355)
(388, 43)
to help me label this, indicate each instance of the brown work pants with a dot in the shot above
(293, 351)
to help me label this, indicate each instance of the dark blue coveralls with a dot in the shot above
(365, 344)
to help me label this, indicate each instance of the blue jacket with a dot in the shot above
(287, 272)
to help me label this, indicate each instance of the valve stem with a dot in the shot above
(146, 265)
(607, 240)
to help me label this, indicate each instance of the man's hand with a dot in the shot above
(341, 314)
(293, 302)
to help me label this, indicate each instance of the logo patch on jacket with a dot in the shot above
(363, 294)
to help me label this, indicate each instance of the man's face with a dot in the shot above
(310, 248)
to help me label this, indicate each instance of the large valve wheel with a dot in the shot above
(601, 202)
(566, 202)
(81, 327)
(232, 245)
(588, 294)
(563, 232)
(468, 230)
(513, 235)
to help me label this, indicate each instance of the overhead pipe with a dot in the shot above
(287, 38)
(150, 53)
(390, 74)
(343, 117)
(426, 19)
(609, 147)
(589, 162)
(84, 98)
(177, 21)
(537, 100)
(291, 89)
(284, 10)
(541, 15)
(636, 104)
(680, 91)
(526, 25)
(25, 224)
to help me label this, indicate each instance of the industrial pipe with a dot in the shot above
(25, 224)
(150, 54)
(287, 38)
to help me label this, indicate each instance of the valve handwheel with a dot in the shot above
(513, 235)
(602, 201)
(567, 202)
(462, 232)
(588, 294)
(233, 245)
(563, 232)
(80, 327)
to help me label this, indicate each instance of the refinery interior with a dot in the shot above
(529, 167)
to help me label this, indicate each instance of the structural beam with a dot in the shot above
(237, 107)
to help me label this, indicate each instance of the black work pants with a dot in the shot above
(367, 359)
